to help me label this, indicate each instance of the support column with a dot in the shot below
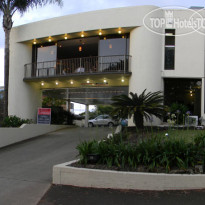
(86, 115)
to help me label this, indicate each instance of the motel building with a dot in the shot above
(89, 57)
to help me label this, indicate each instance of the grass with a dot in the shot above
(187, 135)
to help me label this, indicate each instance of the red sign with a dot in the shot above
(44, 111)
(44, 116)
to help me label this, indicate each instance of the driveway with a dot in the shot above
(26, 168)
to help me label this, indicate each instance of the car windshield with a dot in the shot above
(99, 117)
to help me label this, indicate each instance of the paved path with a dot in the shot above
(68, 195)
(26, 168)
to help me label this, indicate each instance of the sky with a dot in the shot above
(73, 6)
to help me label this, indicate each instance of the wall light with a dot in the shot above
(34, 42)
(119, 31)
(190, 91)
(100, 33)
(65, 37)
(82, 35)
(105, 38)
(49, 39)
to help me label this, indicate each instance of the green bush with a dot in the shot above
(153, 153)
(59, 116)
(14, 121)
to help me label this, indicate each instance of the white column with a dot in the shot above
(86, 115)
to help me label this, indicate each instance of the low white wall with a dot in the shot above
(10, 136)
(66, 175)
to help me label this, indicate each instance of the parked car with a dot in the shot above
(100, 120)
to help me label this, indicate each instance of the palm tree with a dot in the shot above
(139, 106)
(8, 8)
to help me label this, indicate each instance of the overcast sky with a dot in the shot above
(73, 6)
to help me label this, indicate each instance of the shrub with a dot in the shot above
(153, 153)
(60, 116)
(14, 121)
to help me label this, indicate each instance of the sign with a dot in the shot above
(94, 84)
(44, 116)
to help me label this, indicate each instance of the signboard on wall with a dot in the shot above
(44, 116)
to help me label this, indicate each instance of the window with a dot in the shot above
(169, 49)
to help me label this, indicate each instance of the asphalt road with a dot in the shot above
(26, 168)
(68, 195)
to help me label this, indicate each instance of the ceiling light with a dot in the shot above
(119, 31)
(88, 81)
(49, 39)
(34, 41)
(82, 35)
(123, 80)
(65, 37)
(105, 81)
(42, 83)
(71, 82)
(56, 82)
(100, 33)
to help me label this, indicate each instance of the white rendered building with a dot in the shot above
(89, 57)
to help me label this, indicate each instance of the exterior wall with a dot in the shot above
(24, 99)
(146, 49)
(189, 54)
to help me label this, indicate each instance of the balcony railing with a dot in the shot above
(78, 66)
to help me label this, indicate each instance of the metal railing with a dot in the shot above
(65, 67)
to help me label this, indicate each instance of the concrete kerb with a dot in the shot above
(63, 174)
(9, 136)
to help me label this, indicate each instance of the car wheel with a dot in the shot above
(110, 124)
(90, 124)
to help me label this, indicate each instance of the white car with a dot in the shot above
(100, 120)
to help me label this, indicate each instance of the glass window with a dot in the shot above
(99, 117)
(169, 49)
(169, 57)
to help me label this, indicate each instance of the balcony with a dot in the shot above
(78, 66)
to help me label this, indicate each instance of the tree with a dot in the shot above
(139, 106)
(8, 8)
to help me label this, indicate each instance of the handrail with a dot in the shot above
(63, 67)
